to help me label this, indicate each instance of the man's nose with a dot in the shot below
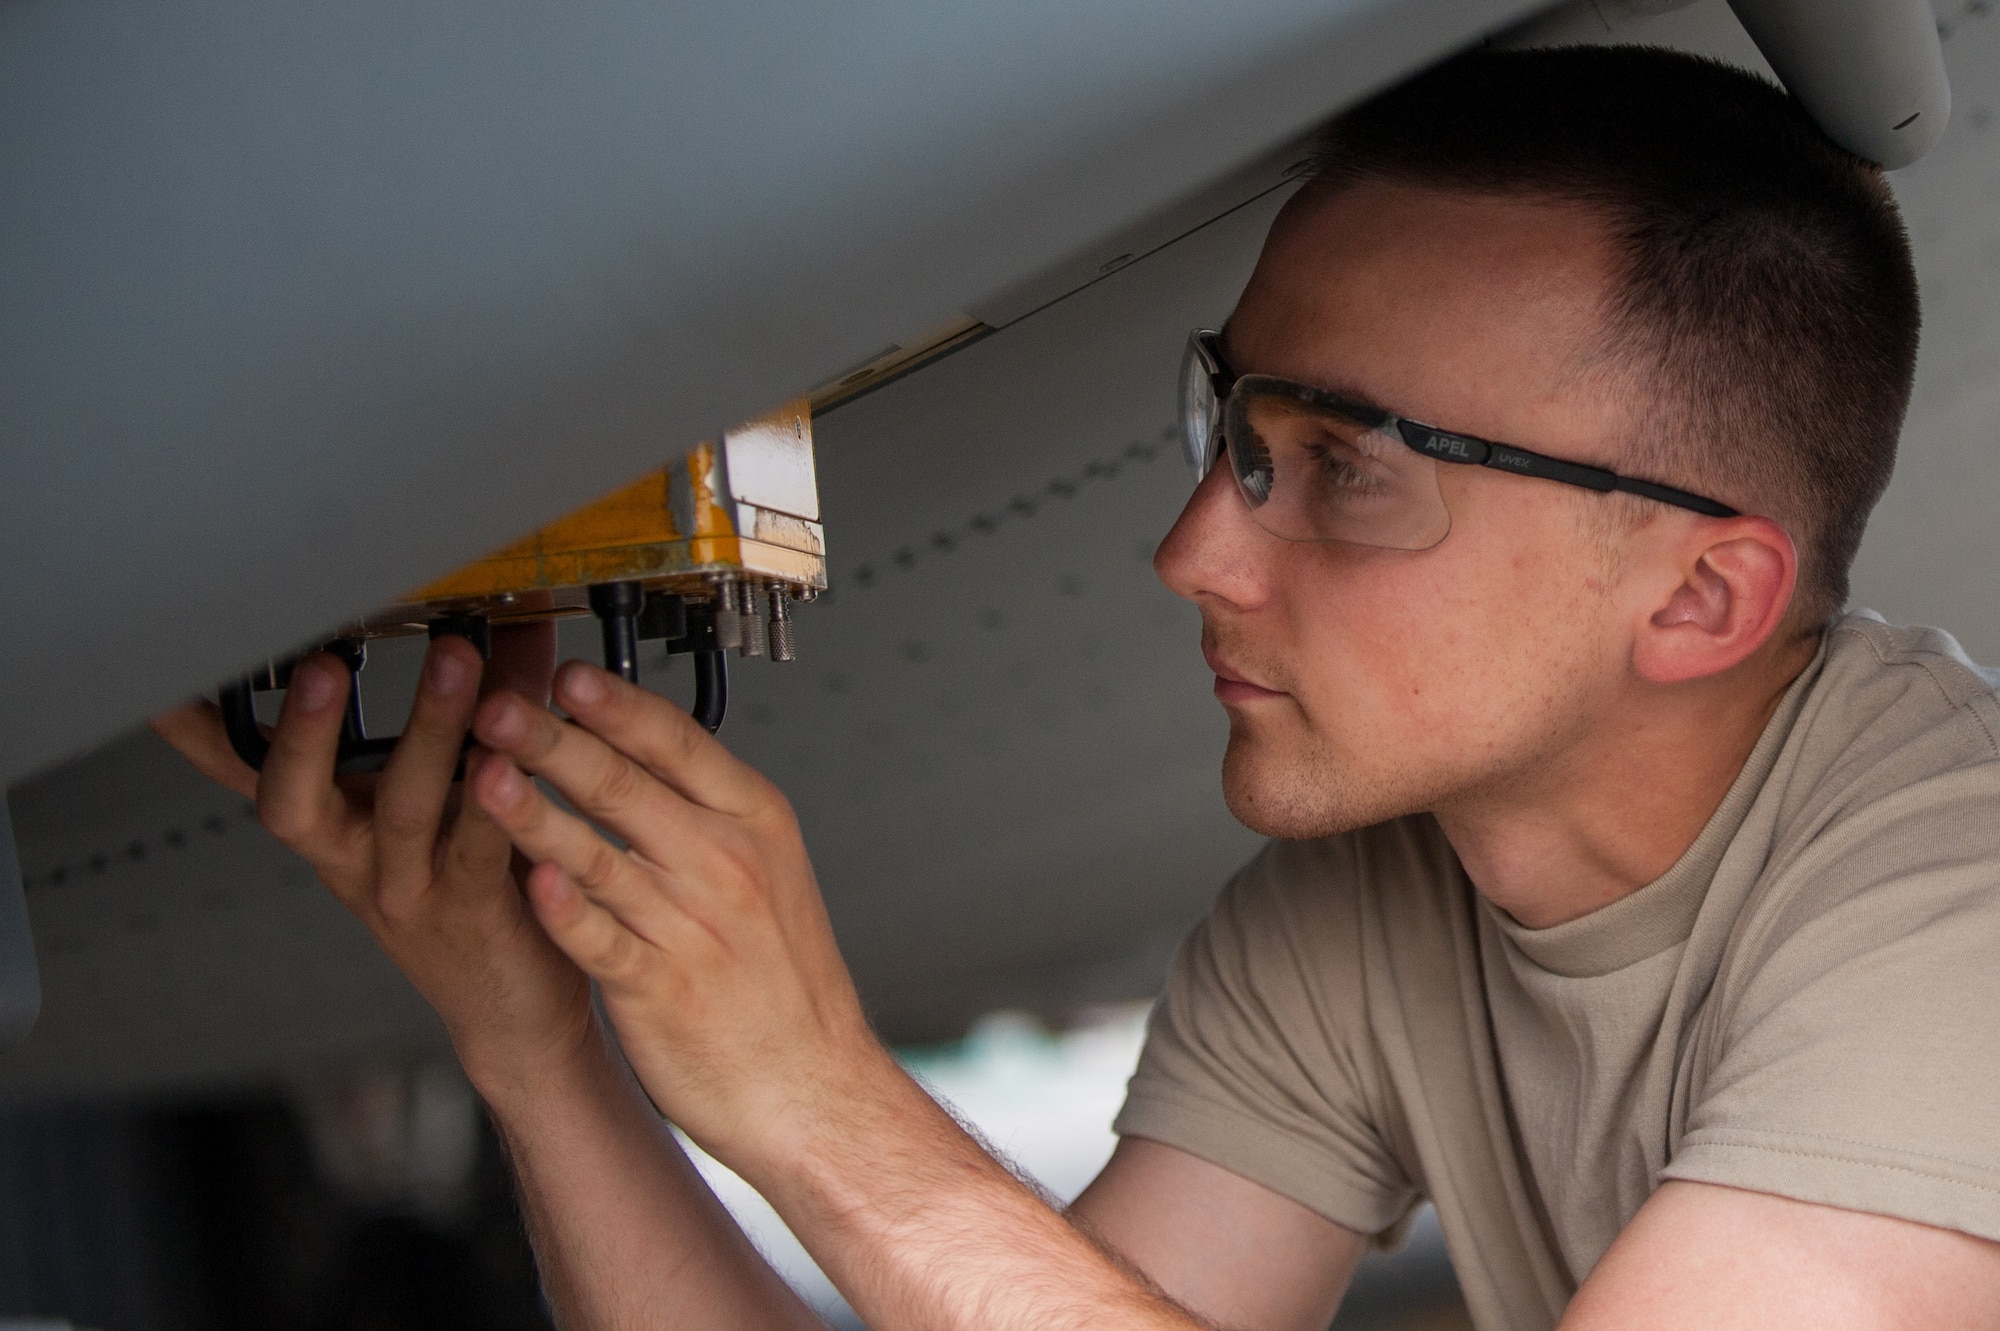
(1215, 551)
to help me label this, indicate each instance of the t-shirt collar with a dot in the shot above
(1661, 914)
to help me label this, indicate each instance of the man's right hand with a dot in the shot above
(431, 876)
(625, 1232)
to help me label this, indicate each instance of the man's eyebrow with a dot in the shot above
(1355, 405)
(1350, 401)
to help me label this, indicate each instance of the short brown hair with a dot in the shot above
(1768, 308)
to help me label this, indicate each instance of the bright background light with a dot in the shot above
(1044, 1100)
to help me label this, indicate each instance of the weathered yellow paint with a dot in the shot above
(631, 533)
(710, 518)
(593, 544)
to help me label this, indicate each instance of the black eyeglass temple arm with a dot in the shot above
(1666, 494)
(1471, 451)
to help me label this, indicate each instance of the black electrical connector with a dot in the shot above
(358, 754)
(663, 616)
(711, 665)
(617, 606)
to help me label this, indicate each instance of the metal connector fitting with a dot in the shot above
(782, 646)
(728, 620)
(752, 621)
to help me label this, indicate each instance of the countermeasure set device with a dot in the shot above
(709, 554)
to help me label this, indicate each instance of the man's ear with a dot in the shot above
(1736, 581)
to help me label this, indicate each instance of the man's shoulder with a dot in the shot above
(1897, 716)
(1887, 688)
(1933, 650)
(1884, 818)
(1845, 1052)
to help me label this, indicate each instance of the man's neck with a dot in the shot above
(1615, 811)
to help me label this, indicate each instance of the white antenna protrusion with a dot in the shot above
(1871, 72)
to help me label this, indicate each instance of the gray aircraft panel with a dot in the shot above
(999, 740)
(999, 737)
(305, 305)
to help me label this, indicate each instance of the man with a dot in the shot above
(1628, 902)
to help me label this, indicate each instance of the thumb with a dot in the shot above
(195, 730)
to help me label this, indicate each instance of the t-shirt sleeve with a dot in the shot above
(1257, 1056)
(1855, 1055)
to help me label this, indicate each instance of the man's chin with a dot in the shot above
(1298, 797)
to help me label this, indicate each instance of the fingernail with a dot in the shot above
(549, 884)
(506, 786)
(313, 686)
(508, 723)
(447, 672)
(583, 685)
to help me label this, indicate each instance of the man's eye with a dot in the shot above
(1338, 468)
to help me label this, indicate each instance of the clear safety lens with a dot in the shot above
(1200, 409)
(1313, 471)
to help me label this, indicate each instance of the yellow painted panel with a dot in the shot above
(638, 514)
(629, 533)
(711, 516)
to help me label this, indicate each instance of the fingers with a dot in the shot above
(599, 781)
(546, 834)
(592, 936)
(195, 730)
(478, 854)
(662, 738)
(410, 798)
(296, 798)
(479, 851)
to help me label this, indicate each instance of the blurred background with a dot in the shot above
(378, 1201)
(999, 736)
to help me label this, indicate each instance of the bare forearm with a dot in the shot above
(921, 1227)
(710, 943)
(627, 1234)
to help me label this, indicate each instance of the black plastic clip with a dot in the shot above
(358, 753)
(628, 615)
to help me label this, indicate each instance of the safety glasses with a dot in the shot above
(1315, 466)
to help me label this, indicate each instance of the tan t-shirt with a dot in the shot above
(1807, 1004)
